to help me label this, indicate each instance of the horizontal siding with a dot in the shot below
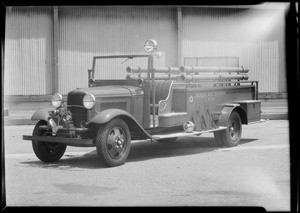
(212, 61)
(254, 36)
(232, 25)
(28, 51)
(261, 58)
(89, 31)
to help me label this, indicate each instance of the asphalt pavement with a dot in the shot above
(19, 113)
(191, 171)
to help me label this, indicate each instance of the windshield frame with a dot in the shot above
(92, 71)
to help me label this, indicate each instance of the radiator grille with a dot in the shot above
(78, 113)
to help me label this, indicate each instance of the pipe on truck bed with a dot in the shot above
(189, 69)
(157, 70)
(157, 77)
(189, 78)
(213, 77)
(194, 69)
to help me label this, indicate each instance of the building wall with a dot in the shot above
(90, 31)
(255, 36)
(28, 63)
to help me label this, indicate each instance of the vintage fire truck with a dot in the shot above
(152, 103)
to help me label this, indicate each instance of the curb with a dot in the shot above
(275, 116)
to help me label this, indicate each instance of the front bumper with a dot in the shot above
(68, 141)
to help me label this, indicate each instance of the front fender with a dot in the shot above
(42, 114)
(109, 114)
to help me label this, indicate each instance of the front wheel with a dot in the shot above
(46, 151)
(113, 142)
(231, 136)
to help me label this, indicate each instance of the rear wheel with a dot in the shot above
(46, 151)
(113, 142)
(231, 136)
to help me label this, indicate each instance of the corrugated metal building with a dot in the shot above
(88, 31)
(50, 49)
(255, 36)
(28, 51)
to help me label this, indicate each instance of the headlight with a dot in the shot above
(56, 100)
(89, 101)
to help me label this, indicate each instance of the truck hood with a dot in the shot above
(110, 91)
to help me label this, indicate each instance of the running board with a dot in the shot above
(184, 134)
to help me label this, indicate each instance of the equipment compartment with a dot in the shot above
(252, 108)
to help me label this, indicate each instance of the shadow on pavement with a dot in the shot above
(181, 147)
(140, 151)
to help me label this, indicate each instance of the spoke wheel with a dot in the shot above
(232, 135)
(46, 151)
(113, 142)
(116, 142)
(234, 129)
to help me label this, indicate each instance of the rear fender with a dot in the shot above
(41, 114)
(227, 110)
(109, 114)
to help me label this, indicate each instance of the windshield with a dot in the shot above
(114, 67)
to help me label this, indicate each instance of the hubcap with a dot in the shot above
(233, 130)
(116, 142)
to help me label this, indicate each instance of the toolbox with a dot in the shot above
(252, 109)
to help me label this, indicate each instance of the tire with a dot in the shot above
(46, 151)
(167, 140)
(231, 136)
(113, 142)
